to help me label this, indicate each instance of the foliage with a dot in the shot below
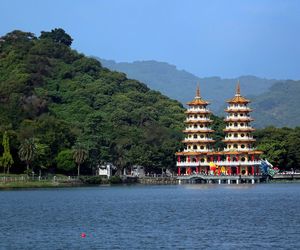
(281, 146)
(80, 154)
(64, 160)
(96, 180)
(115, 180)
(6, 159)
(62, 98)
(52, 93)
(27, 151)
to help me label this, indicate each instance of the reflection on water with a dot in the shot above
(152, 217)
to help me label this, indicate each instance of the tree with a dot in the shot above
(80, 155)
(6, 160)
(64, 160)
(27, 151)
(58, 36)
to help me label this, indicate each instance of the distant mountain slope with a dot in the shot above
(279, 106)
(276, 102)
(181, 85)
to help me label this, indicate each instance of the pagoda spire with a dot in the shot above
(238, 89)
(198, 91)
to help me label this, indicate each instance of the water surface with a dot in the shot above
(263, 216)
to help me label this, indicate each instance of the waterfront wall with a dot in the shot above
(158, 180)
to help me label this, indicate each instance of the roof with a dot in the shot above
(198, 99)
(238, 98)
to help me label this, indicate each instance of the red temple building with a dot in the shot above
(239, 156)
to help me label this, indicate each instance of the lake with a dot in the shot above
(262, 216)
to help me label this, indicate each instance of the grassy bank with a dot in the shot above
(36, 184)
(23, 181)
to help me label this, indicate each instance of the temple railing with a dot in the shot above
(220, 163)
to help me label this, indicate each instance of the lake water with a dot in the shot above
(263, 216)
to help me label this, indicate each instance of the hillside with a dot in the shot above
(65, 100)
(181, 85)
(279, 105)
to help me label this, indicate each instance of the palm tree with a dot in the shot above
(79, 156)
(27, 151)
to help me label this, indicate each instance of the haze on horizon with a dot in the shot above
(207, 38)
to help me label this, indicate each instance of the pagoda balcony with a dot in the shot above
(238, 119)
(239, 149)
(195, 130)
(194, 108)
(201, 111)
(239, 108)
(218, 163)
(198, 120)
(239, 139)
(198, 150)
(238, 128)
(198, 140)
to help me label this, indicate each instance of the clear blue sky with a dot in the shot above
(208, 38)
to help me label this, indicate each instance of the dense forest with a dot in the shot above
(60, 110)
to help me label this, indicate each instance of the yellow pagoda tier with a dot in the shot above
(239, 148)
(197, 141)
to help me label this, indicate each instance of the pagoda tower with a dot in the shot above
(240, 156)
(198, 141)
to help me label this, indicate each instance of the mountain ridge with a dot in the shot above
(181, 85)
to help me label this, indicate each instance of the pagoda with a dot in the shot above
(198, 141)
(240, 156)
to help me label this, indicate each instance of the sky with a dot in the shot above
(207, 38)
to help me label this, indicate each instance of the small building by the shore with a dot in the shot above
(105, 170)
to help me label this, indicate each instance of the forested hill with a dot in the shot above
(275, 104)
(181, 85)
(64, 99)
(279, 106)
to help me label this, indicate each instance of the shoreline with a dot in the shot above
(142, 181)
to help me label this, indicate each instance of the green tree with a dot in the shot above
(42, 156)
(27, 152)
(80, 155)
(58, 36)
(6, 159)
(64, 160)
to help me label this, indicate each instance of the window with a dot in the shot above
(242, 124)
(235, 146)
(195, 136)
(235, 124)
(242, 146)
(243, 159)
(201, 147)
(242, 135)
(241, 115)
(235, 114)
(195, 126)
(195, 147)
(202, 160)
(201, 126)
(195, 116)
(235, 135)
(229, 135)
(201, 136)
(229, 146)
